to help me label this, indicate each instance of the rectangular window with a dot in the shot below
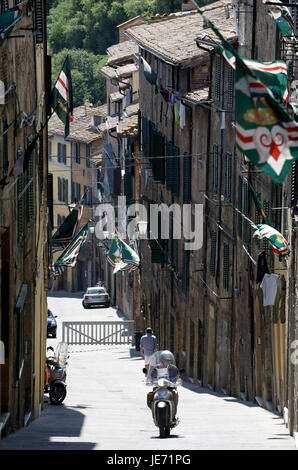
(185, 271)
(64, 153)
(186, 178)
(59, 152)
(230, 95)
(226, 266)
(39, 16)
(213, 253)
(30, 192)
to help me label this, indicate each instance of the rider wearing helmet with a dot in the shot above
(166, 361)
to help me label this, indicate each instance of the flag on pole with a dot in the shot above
(276, 240)
(283, 18)
(68, 229)
(70, 255)
(150, 75)
(265, 132)
(62, 101)
(8, 20)
(259, 205)
(121, 256)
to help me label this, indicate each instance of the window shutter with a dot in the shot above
(59, 188)
(266, 206)
(30, 192)
(257, 220)
(88, 156)
(230, 95)
(186, 178)
(278, 212)
(217, 77)
(139, 129)
(77, 150)
(213, 253)
(66, 191)
(245, 209)
(156, 246)
(20, 206)
(5, 148)
(228, 176)
(294, 178)
(173, 169)
(185, 271)
(215, 167)
(40, 165)
(59, 152)
(226, 266)
(39, 21)
(176, 169)
(64, 154)
(50, 198)
(240, 191)
(50, 150)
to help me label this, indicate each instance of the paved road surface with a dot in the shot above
(105, 407)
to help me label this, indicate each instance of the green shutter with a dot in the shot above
(245, 209)
(240, 192)
(228, 175)
(173, 169)
(39, 21)
(30, 192)
(88, 153)
(64, 153)
(185, 271)
(213, 253)
(257, 220)
(59, 152)
(230, 95)
(157, 152)
(20, 206)
(226, 266)
(186, 178)
(217, 84)
(215, 167)
(266, 206)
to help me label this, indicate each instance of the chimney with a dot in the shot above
(188, 5)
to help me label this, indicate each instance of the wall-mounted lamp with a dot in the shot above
(142, 226)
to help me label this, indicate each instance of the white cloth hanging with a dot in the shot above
(269, 286)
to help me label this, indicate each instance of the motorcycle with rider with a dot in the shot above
(163, 375)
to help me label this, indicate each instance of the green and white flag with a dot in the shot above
(62, 101)
(276, 240)
(259, 205)
(274, 74)
(70, 255)
(150, 75)
(265, 132)
(8, 20)
(283, 18)
(69, 228)
(122, 256)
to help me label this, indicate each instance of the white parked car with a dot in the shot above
(96, 296)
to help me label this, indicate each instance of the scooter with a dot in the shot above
(163, 399)
(55, 374)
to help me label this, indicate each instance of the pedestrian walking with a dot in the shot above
(148, 346)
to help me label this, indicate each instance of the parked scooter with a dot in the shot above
(163, 399)
(55, 373)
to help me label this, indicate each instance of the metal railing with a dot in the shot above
(98, 332)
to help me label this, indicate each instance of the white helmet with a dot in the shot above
(167, 356)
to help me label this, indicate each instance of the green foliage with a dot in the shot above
(87, 82)
(85, 29)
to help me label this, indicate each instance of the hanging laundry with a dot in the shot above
(182, 115)
(262, 267)
(269, 286)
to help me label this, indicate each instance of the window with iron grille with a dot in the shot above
(213, 253)
(215, 167)
(217, 80)
(226, 266)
